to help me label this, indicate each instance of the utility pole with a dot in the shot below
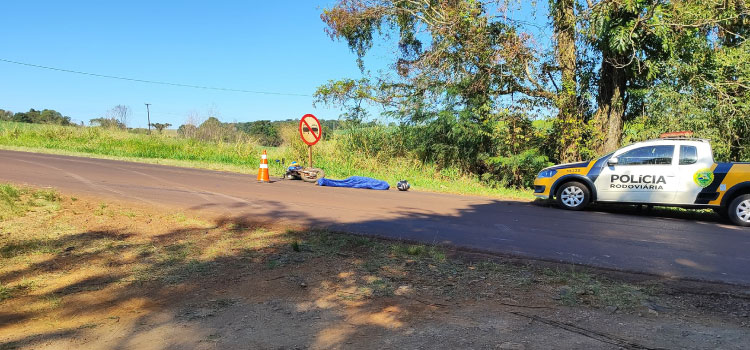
(148, 115)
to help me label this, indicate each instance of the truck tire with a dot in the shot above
(739, 210)
(573, 196)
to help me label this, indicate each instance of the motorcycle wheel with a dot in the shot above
(313, 174)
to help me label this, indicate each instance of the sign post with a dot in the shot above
(309, 156)
(311, 132)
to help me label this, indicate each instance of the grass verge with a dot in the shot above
(17, 201)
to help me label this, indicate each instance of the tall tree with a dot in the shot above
(50, 116)
(733, 73)
(46, 116)
(709, 78)
(458, 47)
(611, 26)
(663, 55)
(569, 124)
(6, 115)
(631, 38)
(460, 64)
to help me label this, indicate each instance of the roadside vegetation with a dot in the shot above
(364, 151)
(15, 201)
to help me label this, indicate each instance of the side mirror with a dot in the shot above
(612, 161)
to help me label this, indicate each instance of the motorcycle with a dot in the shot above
(297, 172)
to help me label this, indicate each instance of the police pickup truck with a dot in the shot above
(670, 171)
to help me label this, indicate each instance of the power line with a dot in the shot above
(152, 81)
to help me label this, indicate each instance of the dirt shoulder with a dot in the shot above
(82, 273)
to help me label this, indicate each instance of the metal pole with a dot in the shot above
(148, 115)
(309, 155)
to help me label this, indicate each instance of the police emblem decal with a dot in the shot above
(703, 177)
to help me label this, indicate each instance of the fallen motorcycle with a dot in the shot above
(297, 172)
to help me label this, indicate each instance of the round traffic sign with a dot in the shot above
(310, 129)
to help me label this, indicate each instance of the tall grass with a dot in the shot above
(123, 144)
(364, 153)
(378, 152)
(10, 196)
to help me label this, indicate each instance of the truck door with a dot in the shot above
(645, 174)
(695, 173)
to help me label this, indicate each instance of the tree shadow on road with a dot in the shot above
(240, 282)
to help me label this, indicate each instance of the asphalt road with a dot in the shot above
(669, 246)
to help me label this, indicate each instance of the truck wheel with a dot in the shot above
(573, 196)
(739, 210)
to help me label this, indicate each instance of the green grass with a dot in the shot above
(418, 251)
(97, 141)
(242, 156)
(583, 288)
(10, 198)
(7, 292)
(16, 201)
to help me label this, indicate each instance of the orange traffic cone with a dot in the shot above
(263, 171)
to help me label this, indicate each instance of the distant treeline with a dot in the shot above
(263, 132)
(46, 116)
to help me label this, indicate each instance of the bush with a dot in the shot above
(107, 123)
(47, 116)
(518, 170)
(503, 152)
(263, 131)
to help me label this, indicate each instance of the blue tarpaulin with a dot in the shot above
(356, 182)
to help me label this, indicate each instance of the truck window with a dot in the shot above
(688, 155)
(648, 155)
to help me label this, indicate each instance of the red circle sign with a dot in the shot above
(310, 129)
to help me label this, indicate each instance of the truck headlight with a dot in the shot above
(547, 173)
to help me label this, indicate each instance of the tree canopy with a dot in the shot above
(620, 71)
(46, 116)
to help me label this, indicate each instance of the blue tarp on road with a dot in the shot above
(356, 182)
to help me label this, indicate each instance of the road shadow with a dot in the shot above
(199, 269)
(90, 280)
(706, 215)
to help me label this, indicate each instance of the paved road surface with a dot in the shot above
(660, 245)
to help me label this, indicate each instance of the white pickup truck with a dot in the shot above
(677, 172)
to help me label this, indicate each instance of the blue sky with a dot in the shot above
(249, 45)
